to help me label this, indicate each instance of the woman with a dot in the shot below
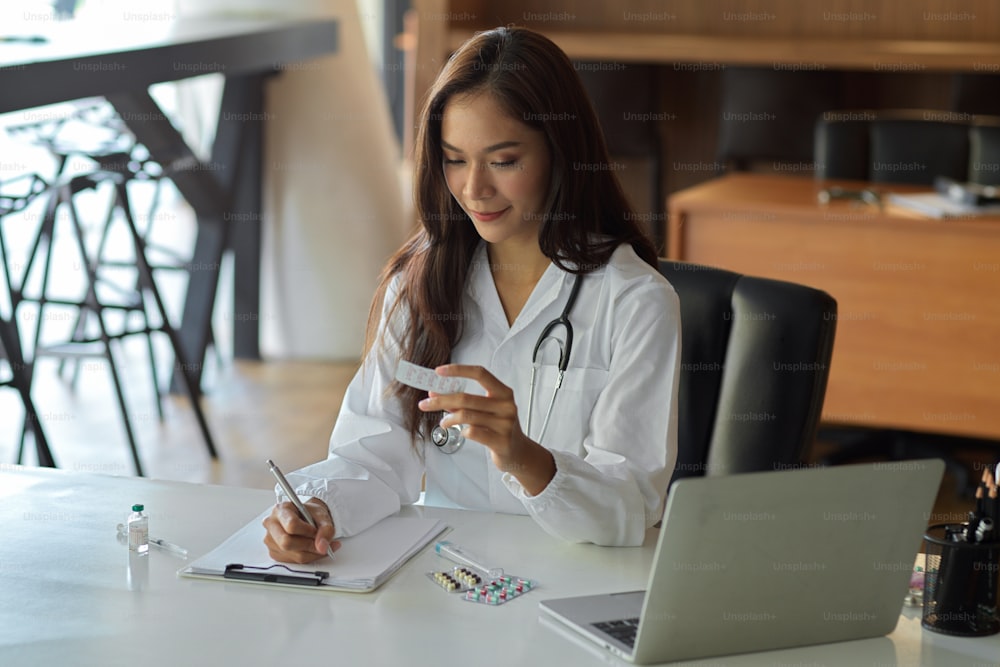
(522, 220)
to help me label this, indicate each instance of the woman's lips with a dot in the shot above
(488, 216)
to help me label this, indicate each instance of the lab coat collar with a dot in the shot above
(483, 290)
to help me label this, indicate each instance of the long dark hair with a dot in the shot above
(586, 214)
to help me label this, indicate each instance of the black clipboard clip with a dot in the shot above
(262, 574)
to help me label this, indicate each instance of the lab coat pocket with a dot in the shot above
(573, 409)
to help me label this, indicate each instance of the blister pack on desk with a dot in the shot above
(500, 590)
(456, 580)
(475, 586)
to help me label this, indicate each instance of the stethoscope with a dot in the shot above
(450, 440)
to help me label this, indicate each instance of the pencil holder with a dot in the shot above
(960, 583)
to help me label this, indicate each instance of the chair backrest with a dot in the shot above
(984, 151)
(768, 115)
(904, 146)
(755, 357)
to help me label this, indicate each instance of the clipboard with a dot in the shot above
(363, 563)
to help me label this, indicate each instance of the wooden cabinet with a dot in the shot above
(918, 333)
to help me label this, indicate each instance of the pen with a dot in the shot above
(162, 544)
(294, 497)
(455, 553)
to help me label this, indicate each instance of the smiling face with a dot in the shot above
(497, 169)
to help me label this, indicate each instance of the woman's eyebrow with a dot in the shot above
(489, 149)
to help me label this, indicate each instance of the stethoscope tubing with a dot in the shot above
(565, 349)
(450, 440)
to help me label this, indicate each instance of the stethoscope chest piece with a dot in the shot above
(448, 440)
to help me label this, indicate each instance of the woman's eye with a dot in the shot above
(507, 163)
(447, 161)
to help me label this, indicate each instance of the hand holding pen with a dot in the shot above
(298, 532)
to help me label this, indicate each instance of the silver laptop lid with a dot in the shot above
(771, 560)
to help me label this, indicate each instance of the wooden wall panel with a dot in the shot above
(865, 19)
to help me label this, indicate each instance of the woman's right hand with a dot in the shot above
(290, 538)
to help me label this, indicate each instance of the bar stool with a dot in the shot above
(15, 195)
(94, 134)
(97, 338)
(93, 151)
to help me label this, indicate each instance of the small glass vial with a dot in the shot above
(138, 530)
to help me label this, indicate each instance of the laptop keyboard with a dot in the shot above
(623, 630)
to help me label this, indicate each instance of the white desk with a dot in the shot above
(68, 594)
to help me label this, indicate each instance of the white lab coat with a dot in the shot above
(613, 429)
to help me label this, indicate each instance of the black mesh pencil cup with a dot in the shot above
(960, 583)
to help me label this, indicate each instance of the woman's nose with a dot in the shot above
(478, 184)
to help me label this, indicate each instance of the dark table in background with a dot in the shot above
(120, 64)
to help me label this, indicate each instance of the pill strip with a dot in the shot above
(458, 580)
(475, 587)
(500, 590)
(426, 379)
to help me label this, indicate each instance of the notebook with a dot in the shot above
(769, 560)
(363, 562)
(937, 205)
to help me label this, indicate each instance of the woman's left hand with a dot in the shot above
(492, 421)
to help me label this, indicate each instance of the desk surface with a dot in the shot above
(71, 593)
(777, 193)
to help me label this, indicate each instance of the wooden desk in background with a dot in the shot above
(918, 332)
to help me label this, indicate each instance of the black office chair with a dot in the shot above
(984, 151)
(975, 93)
(767, 115)
(892, 146)
(755, 357)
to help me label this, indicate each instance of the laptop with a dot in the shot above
(769, 560)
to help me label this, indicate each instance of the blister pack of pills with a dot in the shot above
(426, 379)
(476, 587)
(499, 590)
(456, 580)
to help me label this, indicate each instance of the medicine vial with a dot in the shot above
(138, 530)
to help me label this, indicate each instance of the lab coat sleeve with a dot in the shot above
(614, 492)
(372, 468)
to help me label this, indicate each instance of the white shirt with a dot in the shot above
(612, 433)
